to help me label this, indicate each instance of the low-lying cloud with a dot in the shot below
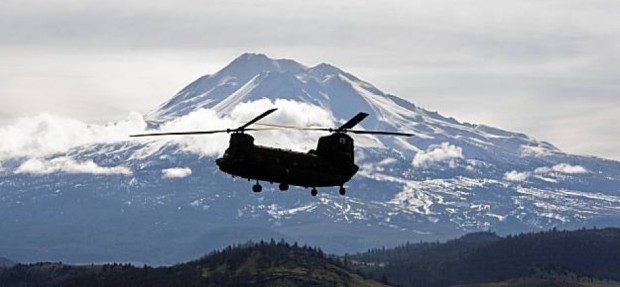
(517, 176)
(44, 136)
(48, 134)
(445, 152)
(68, 165)
(561, 168)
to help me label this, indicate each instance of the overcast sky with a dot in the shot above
(549, 69)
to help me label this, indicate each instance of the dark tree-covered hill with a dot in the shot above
(485, 257)
(4, 262)
(252, 264)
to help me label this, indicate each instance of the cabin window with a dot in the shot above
(342, 140)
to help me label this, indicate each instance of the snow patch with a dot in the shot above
(387, 161)
(176, 172)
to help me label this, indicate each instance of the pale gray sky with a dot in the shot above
(550, 69)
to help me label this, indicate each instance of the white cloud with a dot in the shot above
(445, 152)
(535, 151)
(203, 119)
(544, 170)
(68, 165)
(562, 168)
(517, 176)
(176, 172)
(47, 134)
(570, 169)
(289, 113)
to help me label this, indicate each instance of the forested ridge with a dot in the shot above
(252, 264)
(550, 258)
(486, 257)
(4, 262)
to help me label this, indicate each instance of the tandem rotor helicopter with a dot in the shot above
(331, 164)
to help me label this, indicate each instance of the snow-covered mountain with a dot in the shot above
(163, 200)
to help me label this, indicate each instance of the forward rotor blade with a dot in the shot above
(198, 132)
(353, 121)
(256, 119)
(380, 133)
(180, 133)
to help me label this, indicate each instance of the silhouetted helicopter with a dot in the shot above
(331, 164)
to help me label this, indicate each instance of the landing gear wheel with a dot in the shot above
(257, 188)
(342, 190)
(283, 187)
(314, 192)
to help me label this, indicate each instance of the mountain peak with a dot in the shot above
(252, 58)
(326, 68)
(249, 56)
(254, 63)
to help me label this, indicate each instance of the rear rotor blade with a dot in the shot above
(333, 130)
(380, 133)
(256, 119)
(353, 122)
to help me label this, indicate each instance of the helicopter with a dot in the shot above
(332, 163)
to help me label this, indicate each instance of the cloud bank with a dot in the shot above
(289, 113)
(48, 134)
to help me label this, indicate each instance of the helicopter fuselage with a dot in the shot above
(331, 164)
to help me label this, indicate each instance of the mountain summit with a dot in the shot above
(255, 76)
(163, 200)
